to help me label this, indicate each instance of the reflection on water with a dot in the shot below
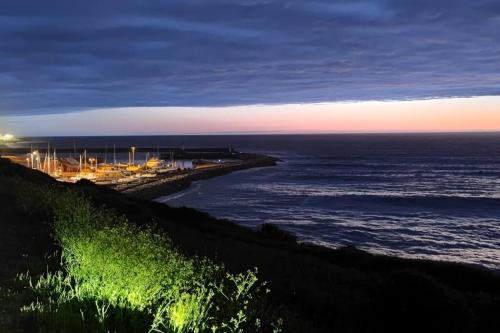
(440, 202)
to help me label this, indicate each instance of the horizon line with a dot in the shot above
(273, 133)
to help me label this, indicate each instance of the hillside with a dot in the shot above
(313, 289)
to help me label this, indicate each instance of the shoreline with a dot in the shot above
(316, 288)
(168, 184)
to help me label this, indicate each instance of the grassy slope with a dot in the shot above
(25, 241)
(318, 289)
(25, 237)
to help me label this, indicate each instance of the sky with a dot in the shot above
(230, 66)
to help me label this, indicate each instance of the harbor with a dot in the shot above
(140, 171)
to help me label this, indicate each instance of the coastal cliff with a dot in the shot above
(313, 289)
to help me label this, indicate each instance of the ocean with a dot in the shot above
(434, 196)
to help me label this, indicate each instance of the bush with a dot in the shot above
(118, 277)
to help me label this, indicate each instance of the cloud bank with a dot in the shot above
(61, 56)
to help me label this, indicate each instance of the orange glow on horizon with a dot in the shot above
(440, 115)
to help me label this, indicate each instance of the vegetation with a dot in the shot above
(314, 289)
(117, 277)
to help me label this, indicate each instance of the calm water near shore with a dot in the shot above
(420, 195)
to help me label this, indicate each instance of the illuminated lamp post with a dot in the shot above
(92, 160)
(36, 159)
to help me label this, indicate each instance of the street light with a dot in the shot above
(133, 155)
(36, 159)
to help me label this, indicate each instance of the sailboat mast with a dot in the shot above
(55, 161)
(47, 158)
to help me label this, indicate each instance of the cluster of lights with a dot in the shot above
(7, 138)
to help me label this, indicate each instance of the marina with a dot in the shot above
(133, 169)
(70, 165)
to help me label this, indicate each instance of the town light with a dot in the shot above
(7, 138)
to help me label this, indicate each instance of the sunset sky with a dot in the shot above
(442, 115)
(248, 66)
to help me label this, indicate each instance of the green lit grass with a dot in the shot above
(116, 277)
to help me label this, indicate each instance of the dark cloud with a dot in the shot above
(58, 56)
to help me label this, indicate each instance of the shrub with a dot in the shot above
(115, 276)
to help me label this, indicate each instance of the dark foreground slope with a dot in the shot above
(316, 289)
